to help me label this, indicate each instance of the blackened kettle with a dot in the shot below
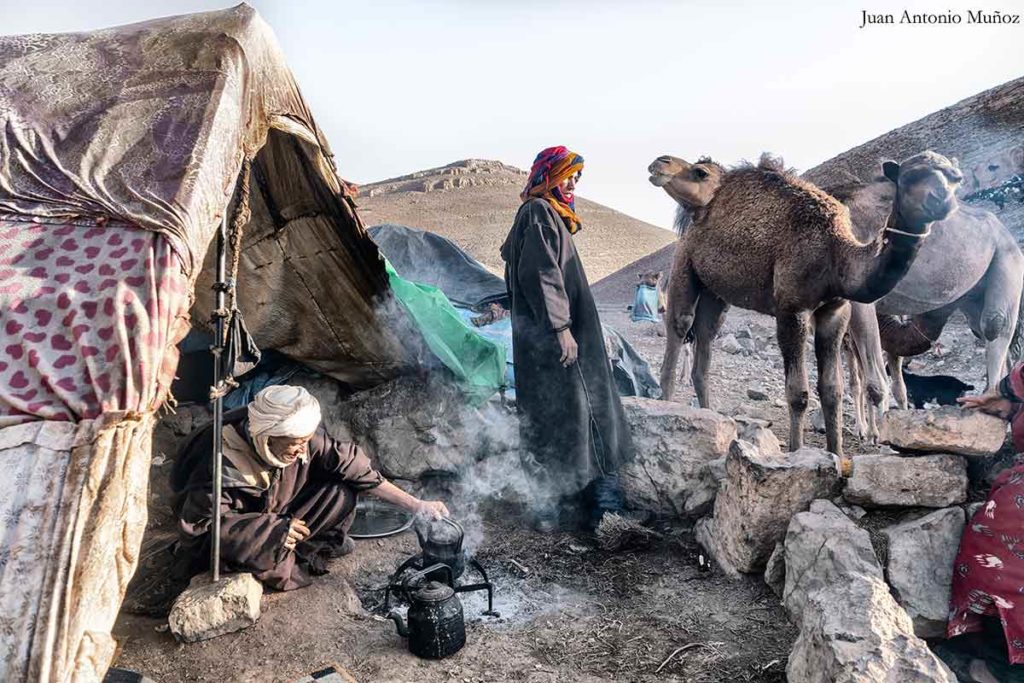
(436, 626)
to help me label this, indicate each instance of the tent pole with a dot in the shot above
(217, 391)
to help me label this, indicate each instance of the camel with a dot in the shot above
(763, 239)
(970, 263)
(998, 168)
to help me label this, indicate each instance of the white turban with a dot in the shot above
(282, 410)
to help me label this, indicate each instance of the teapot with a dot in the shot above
(436, 627)
(441, 543)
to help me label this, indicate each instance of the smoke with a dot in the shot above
(499, 478)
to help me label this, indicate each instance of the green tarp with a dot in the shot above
(478, 364)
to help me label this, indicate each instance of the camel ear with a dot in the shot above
(891, 170)
(657, 276)
(639, 276)
(1017, 157)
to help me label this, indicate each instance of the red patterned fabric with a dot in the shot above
(89, 315)
(988, 573)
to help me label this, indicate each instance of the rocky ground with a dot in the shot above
(570, 610)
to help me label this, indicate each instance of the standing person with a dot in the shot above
(572, 426)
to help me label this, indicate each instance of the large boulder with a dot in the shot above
(759, 496)
(854, 632)
(851, 629)
(206, 609)
(672, 443)
(412, 426)
(822, 547)
(947, 429)
(891, 480)
(920, 566)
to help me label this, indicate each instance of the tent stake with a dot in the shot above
(217, 391)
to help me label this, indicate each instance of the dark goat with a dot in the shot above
(941, 389)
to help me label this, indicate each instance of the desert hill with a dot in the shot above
(474, 201)
(982, 131)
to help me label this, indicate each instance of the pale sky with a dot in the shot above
(403, 85)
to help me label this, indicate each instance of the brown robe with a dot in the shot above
(572, 423)
(321, 491)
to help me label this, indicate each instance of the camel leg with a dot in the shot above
(857, 392)
(709, 318)
(830, 323)
(791, 330)
(899, 387)
(682, 303)
(867, 344)
(673, 345)
(999, 316)
(686, 363)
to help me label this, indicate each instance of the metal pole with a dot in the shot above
(217, 391)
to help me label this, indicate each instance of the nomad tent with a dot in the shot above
(121, 153)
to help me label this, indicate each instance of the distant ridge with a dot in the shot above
(474, 201)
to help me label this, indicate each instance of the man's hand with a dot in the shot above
(991, 402)
(569, 349)
(433, 509)
(297, 532)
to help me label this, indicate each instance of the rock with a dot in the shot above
(672, 444)
(944, 430)
(702, 499)
(920, 568)
(822, 546)
(731, 345)
(757, 393)
(206, 610)
(775, 570)
(851, 628)
(891, 480)
(744, 333)
(748, 344)
(759, 495)
(758, 432)
(413, 427)
(852, 631)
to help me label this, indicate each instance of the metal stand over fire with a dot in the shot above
(442, 546)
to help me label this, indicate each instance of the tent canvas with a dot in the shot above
(153, 132)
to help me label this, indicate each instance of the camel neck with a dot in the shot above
(876, 268)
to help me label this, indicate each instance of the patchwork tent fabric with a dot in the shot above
(148, 122)
(88, 316)
(122, 152)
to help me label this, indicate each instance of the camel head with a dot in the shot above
(649, 278)
(691, 185)
(926, 185)
(997, 169)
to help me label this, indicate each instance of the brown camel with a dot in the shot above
(763, 239)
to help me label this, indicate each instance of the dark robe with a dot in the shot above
(254, 522)
(571, 418)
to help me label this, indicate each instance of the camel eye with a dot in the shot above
(700, 173)
(993, 167)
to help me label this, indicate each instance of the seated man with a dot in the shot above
(289, 491)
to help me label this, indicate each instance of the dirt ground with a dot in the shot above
(576, 612)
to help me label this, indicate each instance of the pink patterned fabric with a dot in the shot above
(89, 316)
